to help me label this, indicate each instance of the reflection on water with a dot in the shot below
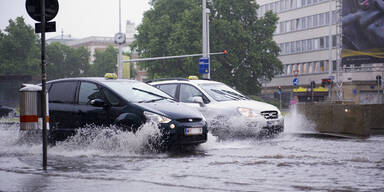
(106, 159)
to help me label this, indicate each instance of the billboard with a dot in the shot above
(363, 31)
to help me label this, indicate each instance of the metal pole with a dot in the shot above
(208, 50)
(43, 85)
(120, 68)
(169, 57)
(204, 32)
(330, 63)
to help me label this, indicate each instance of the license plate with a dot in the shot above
(193, 131)
(273, 123)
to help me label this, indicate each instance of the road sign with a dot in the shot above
(295, 81)
(204, 65)
(34, 9)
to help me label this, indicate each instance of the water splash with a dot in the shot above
(295, 122)
(112, 140)
(229, 126)
(90, 140)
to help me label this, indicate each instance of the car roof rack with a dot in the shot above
(167, 79)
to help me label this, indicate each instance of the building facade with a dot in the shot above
(309, 36)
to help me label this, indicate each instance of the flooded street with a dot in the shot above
(123, 162)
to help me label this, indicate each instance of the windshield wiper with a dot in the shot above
(152, 100)
(225, 94)
(144, 91)
(235, 94)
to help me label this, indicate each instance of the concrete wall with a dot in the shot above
(350, 119)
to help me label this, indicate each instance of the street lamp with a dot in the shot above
(205, 36)
(120, 40)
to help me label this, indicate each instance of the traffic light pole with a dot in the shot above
(43, 85)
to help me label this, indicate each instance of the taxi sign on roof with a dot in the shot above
(110, 76)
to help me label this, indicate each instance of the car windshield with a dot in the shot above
(221, 92)
(137, 92)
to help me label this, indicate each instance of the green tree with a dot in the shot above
(19, 49)
(173, 27)
(105, 61)
(64, 61)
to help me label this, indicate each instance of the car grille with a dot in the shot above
(189, 120)
(270, 114)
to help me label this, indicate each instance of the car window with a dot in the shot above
(187, 92)
(137, 92)
(112, 98)
(88, 92)
(170, 89)
(221, 92)
(62, 92)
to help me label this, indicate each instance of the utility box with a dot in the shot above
(31, 117)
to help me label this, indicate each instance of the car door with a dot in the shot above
(61, 105)
(188, 92)
(171, 89)
(87, 113)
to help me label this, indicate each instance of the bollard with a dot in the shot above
(30, 108)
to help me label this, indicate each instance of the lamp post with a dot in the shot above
(205, 36)
(120, 68)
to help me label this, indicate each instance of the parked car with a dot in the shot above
(7, 111)
(228, 112)
(76, 102)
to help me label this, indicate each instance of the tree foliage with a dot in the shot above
(64, 61)
(173, 27)
(19, 49)
(105, 61)
(20, 53)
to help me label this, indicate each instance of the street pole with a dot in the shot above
(43, 85)
(204, 35)
(330, 63)
(120, 65)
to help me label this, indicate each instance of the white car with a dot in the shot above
(228, 112)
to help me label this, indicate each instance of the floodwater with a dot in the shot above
(119, 161)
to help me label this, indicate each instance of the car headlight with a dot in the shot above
(156, 118)
(247, 112)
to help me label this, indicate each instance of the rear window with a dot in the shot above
(62, 92)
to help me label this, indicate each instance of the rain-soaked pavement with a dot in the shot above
(292, 161)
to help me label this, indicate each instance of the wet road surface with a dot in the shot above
(123, 162)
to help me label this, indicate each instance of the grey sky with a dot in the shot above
(81, 18)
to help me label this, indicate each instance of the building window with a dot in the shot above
(309, 19)
(310, 44)
(287, 48)
(334, 17)
(298, 47)
(315, 21)
(304, 42)
(327, 19)
(288, 26)
(334, 65)
(298, 24)
(322, 67)
(304, 23)
(321, 19)
(315, 44)
(298, 3)
(334, 40)
(322, 44)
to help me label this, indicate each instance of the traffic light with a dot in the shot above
(378, 80)
(325, 82)
(313, 84)
(279, 89)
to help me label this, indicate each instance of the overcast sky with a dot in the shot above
(81, 18)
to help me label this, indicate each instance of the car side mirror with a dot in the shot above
(199, 100)
(97, 102)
